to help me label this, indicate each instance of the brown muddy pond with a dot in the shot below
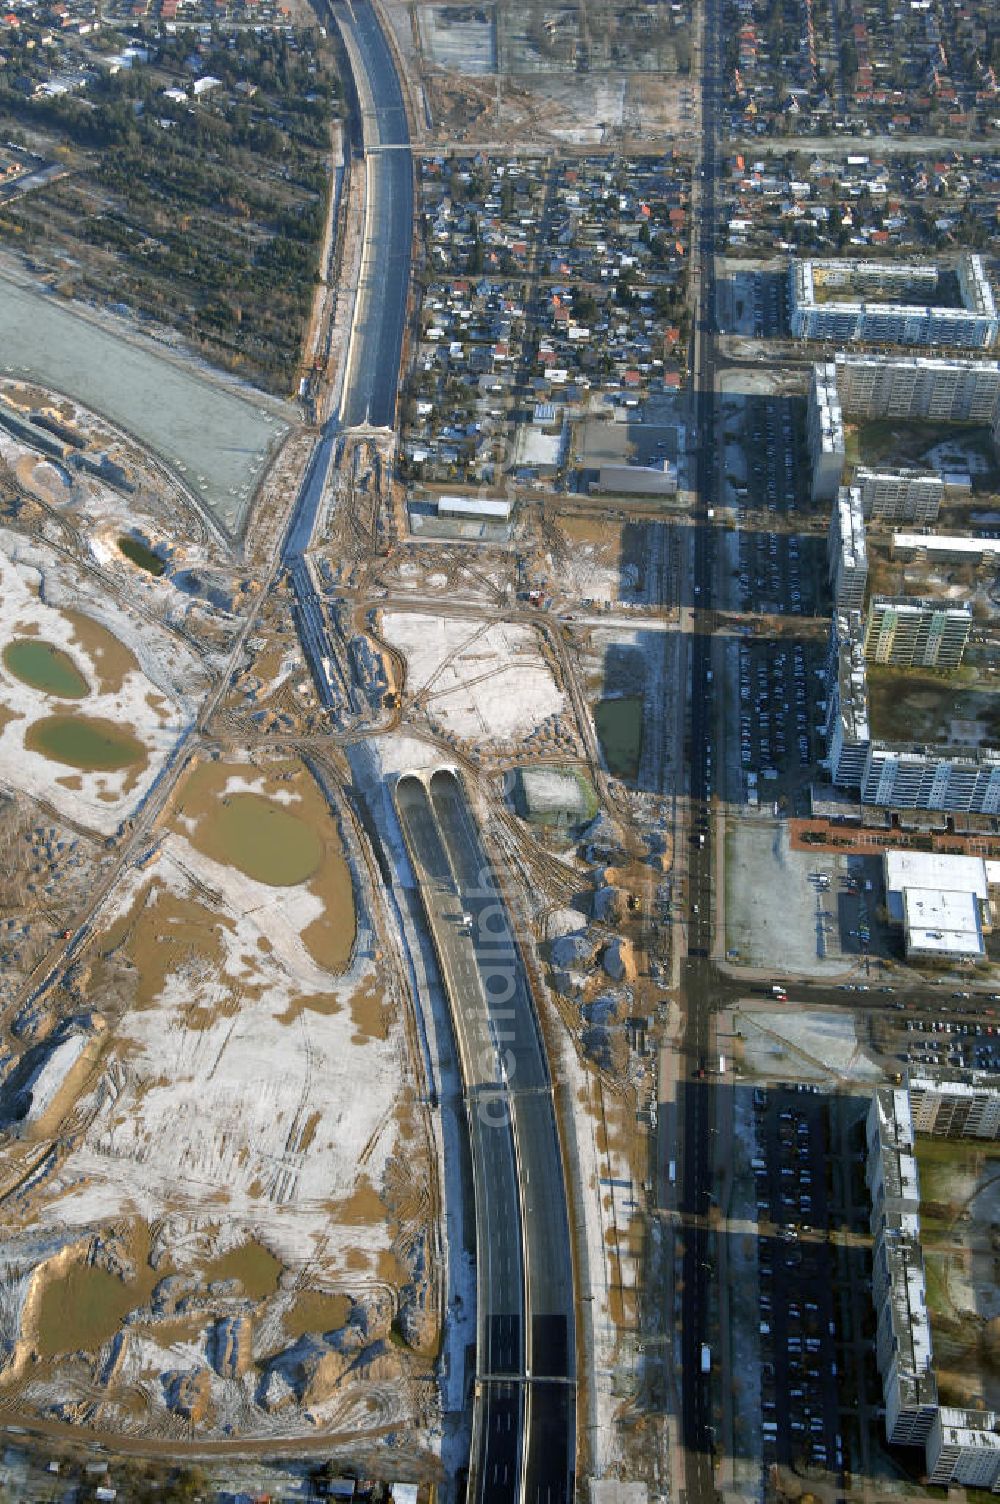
(82, 1310)
(43, 666)
(95, 745)
(261, 838)
(257, 1270)
(315, 1311)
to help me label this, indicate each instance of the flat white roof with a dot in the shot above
(473, 506)
(929, 869)
(946, 542)
(939, 922)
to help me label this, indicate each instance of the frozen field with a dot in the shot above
(219, 442)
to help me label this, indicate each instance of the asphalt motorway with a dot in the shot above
(380, 316)
(524, 1423)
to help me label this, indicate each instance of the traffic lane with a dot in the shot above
(418, 821)
(516, 1037)
(546, 1233)
(370, 395)
(511, 1012)
(499, 1461)
(499, 1248)
(498, 1219)
(386, 92)
(549, 1473)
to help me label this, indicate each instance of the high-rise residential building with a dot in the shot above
(964, 1448)
(848, 732)
(916, 633)
(968, 1108)
(825, 432)
(903, 1336)
(871, 309)
(960, 1446)
(869, 386)
(899, 495)
(900, 776)
(948, 391)
(847, 554)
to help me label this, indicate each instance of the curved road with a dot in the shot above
(380, 316)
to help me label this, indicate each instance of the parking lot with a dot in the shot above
(769, 298)
(797, 1269)
(779, 716)
(781, 573)
(774, 440)
(963, 1044)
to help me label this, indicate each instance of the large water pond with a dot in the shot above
(262, 839)
(217, 440)
(95, 745)
(82, 1310)
(46, 667)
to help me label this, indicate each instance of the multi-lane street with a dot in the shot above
(524, 1419)
(372, 379)
(697, 977)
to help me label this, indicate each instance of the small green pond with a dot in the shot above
(97, 746)
(45, 667)
(141, 554)
(619, 730)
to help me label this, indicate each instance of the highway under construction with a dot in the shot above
(524, 1413)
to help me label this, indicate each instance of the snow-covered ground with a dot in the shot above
(155, 699)
(486, 681)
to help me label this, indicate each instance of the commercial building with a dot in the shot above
(966, 1108)
(486, 509)
(941, 902)
(874, 316)
(916, 633)
(639, 480)
(847, 555)
(960, 1446)
(945, 548)
(825, 432)
(899, 495)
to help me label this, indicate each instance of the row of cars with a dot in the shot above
(799, 1383)
(770, 439)
(969, 1046)
(774, 704)
(771, 575)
